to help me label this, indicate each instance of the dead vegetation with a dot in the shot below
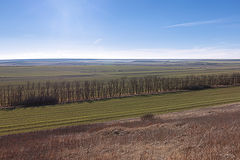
(203, 134)
(147, 117)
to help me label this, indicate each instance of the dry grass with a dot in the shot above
(147, 117)
(203, 134)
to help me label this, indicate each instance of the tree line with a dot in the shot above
(50, 92)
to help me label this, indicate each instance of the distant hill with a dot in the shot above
(62, 62)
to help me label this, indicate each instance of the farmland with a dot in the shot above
(106, 99)
(199, 134)
(22, 71)
(48, 117)
(42, 82)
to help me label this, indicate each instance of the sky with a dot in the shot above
(120, 29)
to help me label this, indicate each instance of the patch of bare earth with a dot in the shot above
(201, 134)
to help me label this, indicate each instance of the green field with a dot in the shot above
(19, 74)
(32, 119)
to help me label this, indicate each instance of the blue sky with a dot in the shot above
(119, 29)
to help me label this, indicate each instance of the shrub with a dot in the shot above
(39, 101)
(147, 117)
(197, 87)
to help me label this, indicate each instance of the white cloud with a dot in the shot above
(196, 23)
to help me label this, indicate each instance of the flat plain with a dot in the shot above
(185, 125)
(201, 134)
(54, 116)
(49, 117)
(29, 70)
